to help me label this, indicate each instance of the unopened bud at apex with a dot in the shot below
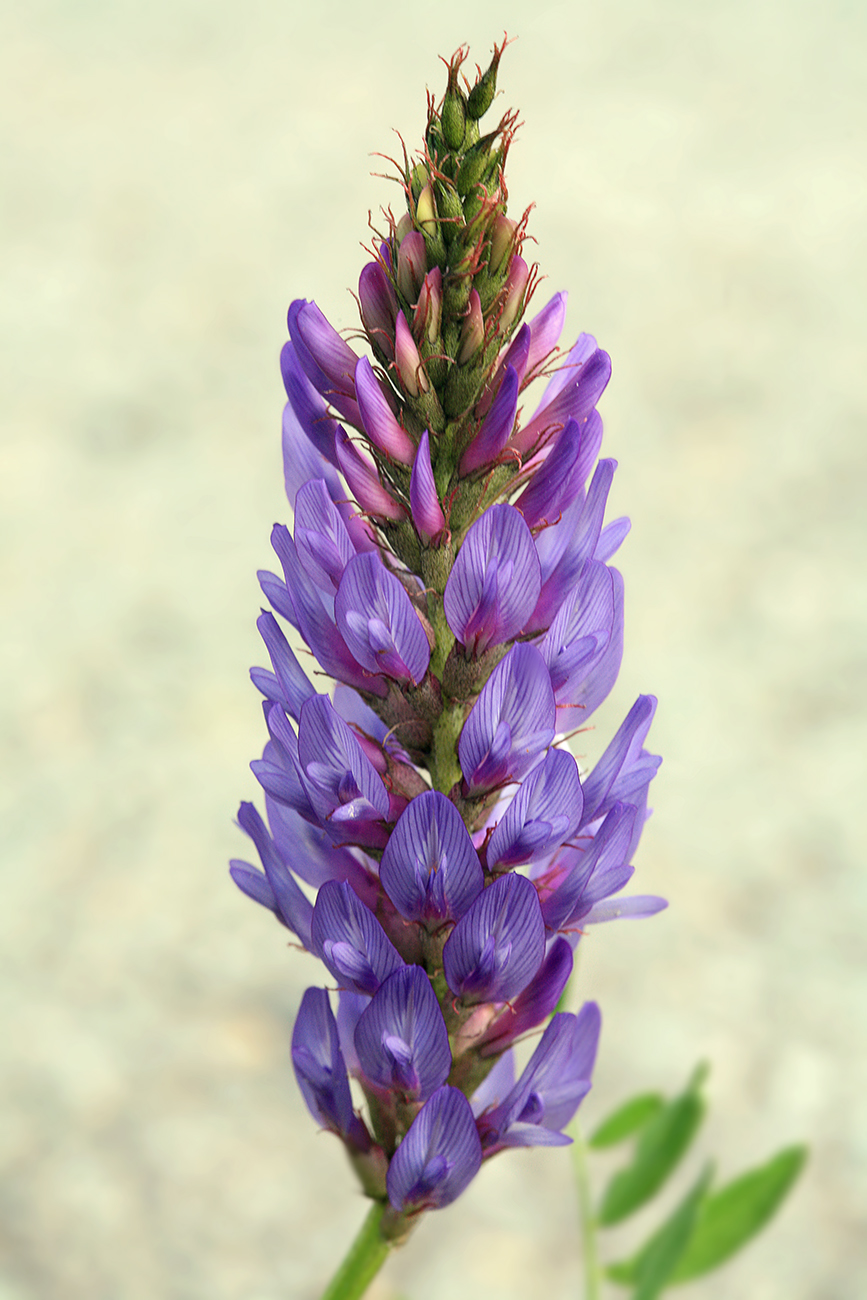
(453, 118)
(482, 94)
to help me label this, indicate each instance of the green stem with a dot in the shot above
(363, 1260)
(592, 1274)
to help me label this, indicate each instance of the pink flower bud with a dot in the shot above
(472, 330)
(407, 359)
(516, 286)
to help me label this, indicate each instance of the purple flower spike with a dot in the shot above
(380, 424)
(427, 514)
(401, 1038)
(496, 428)
(378, 622)
(277, 889)
(429, 869)
(439, 1156)
(510, 725)
(378, 307)
(557, 1079)
(321, 538)
(625, 769)
(321, 1071)
(344, 789)
(495, 582)
(350, 941)
(288, 685)
(364, 482)
(543, 814)
(497, 946)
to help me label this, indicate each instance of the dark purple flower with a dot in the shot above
(544, 813)
(308, 408)
(510, 725)
(380, 423)
(439, 1156)
(557, 1079)
(350, 941)
(364, 482)
(427, 514)
(496, 427)
(498, 945)
(401, 1037)
(429, 869)
(378, 622)
(321, 1072)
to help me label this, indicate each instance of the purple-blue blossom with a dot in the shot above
(443, 613)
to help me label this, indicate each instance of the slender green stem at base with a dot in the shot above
(364, 1259)
(588, 1219)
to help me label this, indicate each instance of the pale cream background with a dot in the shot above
(173, 174)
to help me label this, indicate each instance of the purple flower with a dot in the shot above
(380, 425)
(497, 946)
(321, 1072)
(429, 869)
(543, 814)
(379, 625)
(401, 1038)
(510, 725)
(350, 941)
(494, 585)
(557, 1079)
(344, 789)
(427, 514)
(439, 1156)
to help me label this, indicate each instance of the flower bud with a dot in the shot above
(426, 212)
(482, 94)
(411, 265)
(428, 309)
(472, 330)
(516, 287)
(408, 361)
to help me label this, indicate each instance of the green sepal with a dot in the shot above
(627, 1120)
(734, 1215)
(651, 1270)
(661, 1144)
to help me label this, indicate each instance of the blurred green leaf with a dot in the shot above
(626, 1120)
(738, 1211)
(661, 1144)
(652, 1268)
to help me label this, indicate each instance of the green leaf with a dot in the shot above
(652, 1268)
(661, 1144)
(738, 1211)
(626, 1120)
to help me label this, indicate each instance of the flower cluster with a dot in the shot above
(449, 567)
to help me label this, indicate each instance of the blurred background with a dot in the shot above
(174, 173)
